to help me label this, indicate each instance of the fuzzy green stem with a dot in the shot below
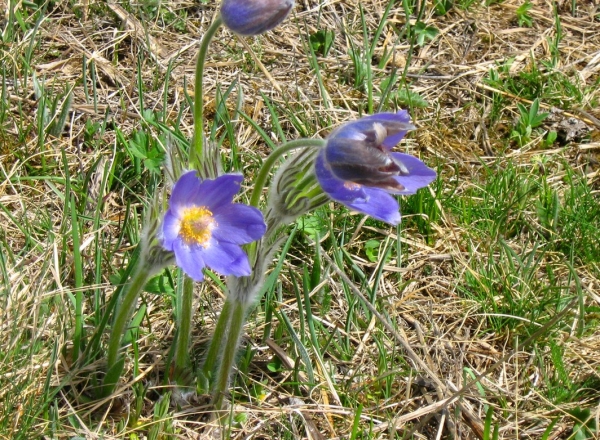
(122, 317)
(229, 350)
(265, 170)
(197, 152)
(183, 334)
(216, 345)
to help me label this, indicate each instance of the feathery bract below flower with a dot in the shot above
(357, 168)
(254, 17)
(203, 228)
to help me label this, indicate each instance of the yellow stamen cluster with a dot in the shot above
(197, 224)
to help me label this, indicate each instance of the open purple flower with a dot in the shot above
(203, 228)
(357, 168)
(254, 17)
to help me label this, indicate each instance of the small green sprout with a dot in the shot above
(527, 121)
(523, 18)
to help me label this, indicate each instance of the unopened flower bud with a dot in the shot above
(254, 17)
(294, 190)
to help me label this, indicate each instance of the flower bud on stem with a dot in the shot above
(265, 170)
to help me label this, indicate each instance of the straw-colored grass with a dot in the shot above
(442, 336)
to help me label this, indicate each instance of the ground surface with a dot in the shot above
(493, 271)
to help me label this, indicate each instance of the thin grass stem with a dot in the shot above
(77, 263)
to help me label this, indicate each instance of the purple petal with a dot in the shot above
(253, 17)
(170, 230)
(419, 174)
(393, 140)
(361, 163)
(351, 130)
(184, 192)
(357, 169)
(190, 190)
(337, 189)
(226, 259)
(238, 224)
(372, 201)
(214, 193)
(190, 259)
(401, 116)
(356, 129)
(379, 205)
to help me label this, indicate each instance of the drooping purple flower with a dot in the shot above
(357, 168)
(203, 228)
(254, 17)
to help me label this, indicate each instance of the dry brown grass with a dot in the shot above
(442, 328)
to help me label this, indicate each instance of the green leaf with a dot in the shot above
(372, 250)
(275, 365)
(412, 99)
(551, 137)
(584, 427)
(443, 6)
(424, 32)
(312, 225)
(535, 107)
(159, 285)
(537, 120)
(322, 41)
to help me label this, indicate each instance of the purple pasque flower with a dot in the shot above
(254, 17)
(357, 168)
(203, 228)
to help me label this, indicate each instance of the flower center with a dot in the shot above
(197, 225)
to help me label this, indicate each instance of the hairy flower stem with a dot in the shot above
(230, 347)
(123, 314)
(197, 154)
(265, 170)
(182, 343)
(216, 346)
